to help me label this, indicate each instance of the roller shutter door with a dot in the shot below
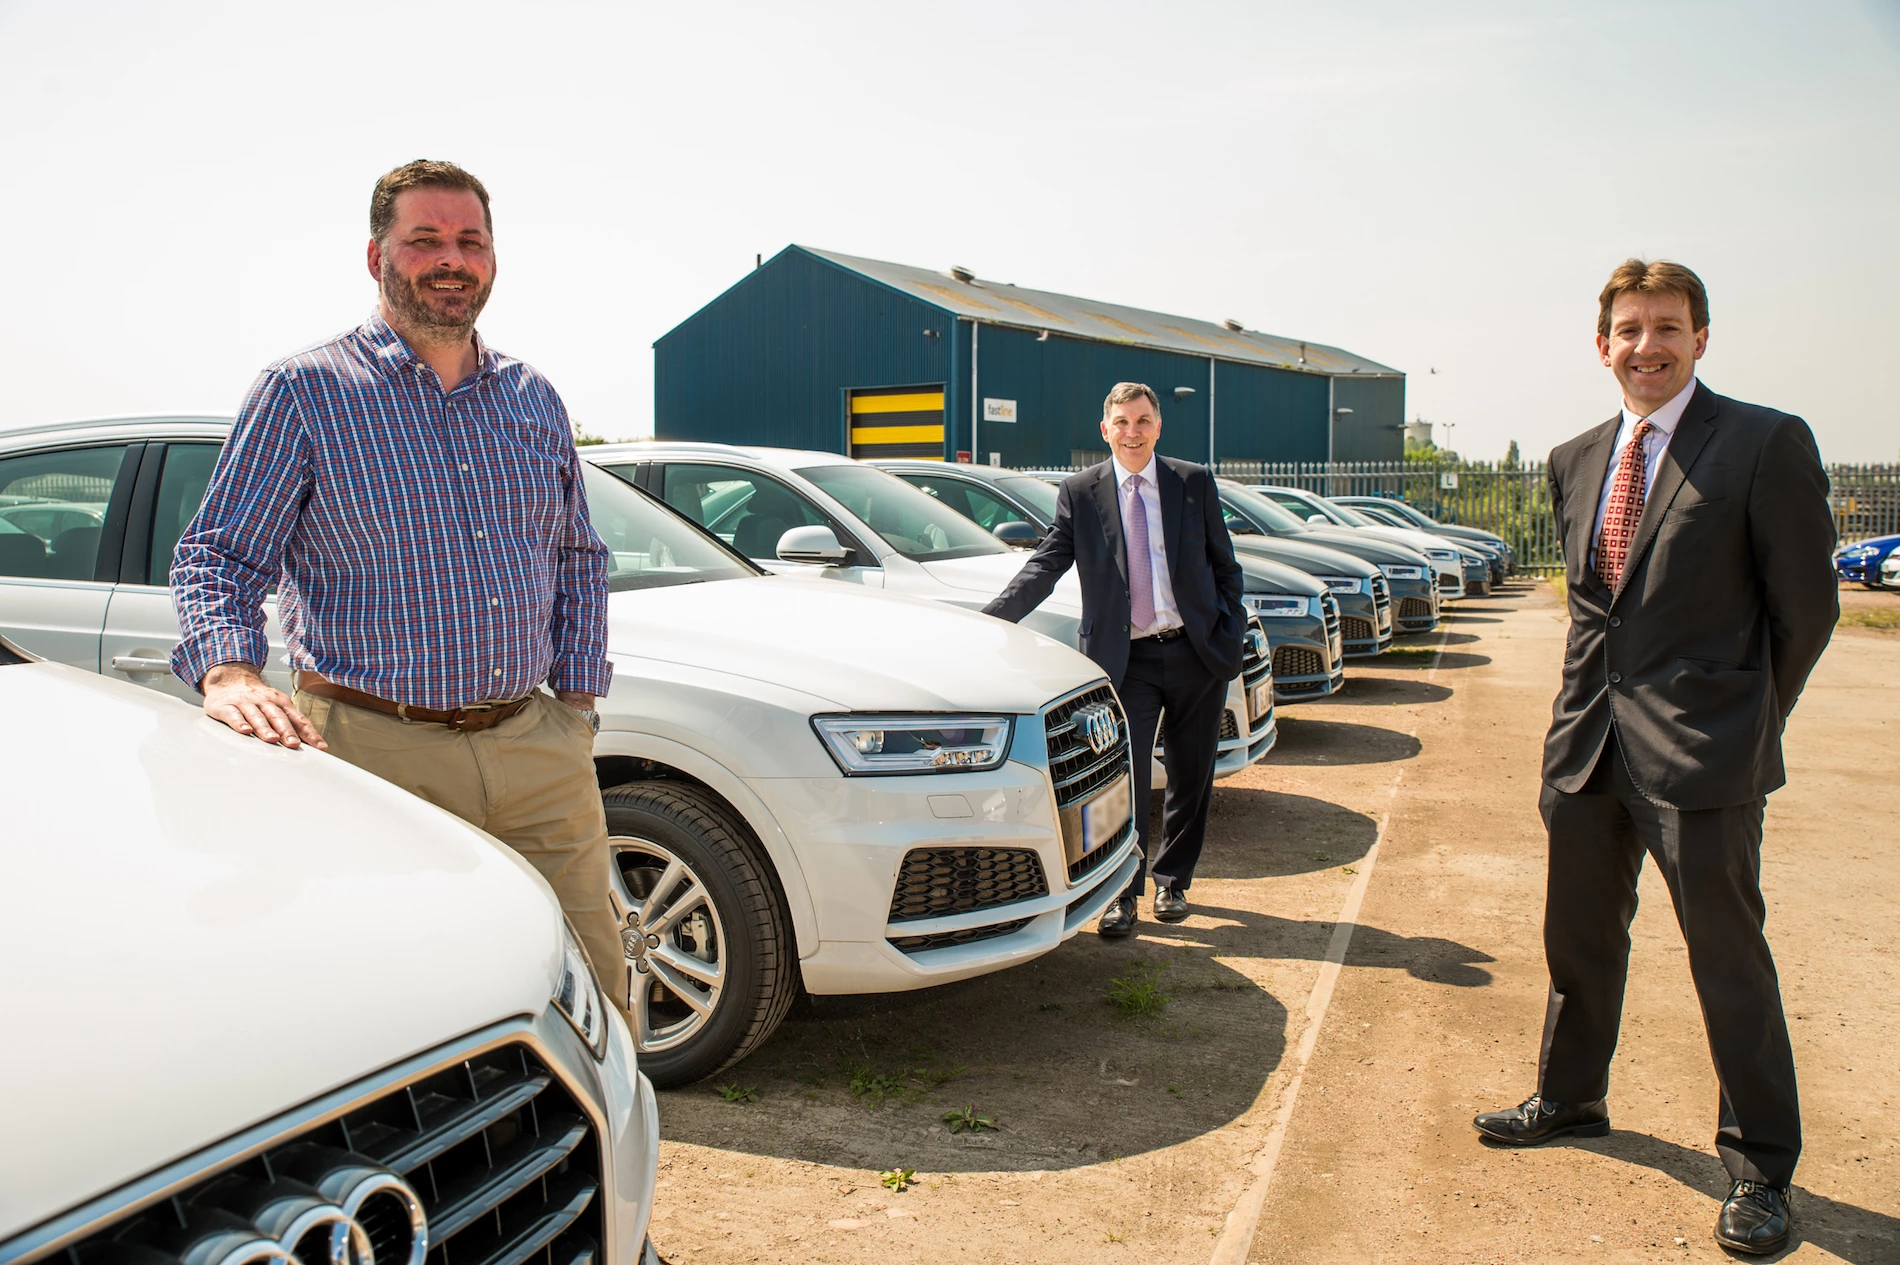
(897, 422)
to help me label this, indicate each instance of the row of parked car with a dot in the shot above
(815, 752)
(1872, 562)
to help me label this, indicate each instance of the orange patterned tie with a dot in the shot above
(1624, 511)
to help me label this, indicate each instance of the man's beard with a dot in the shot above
(407, 299)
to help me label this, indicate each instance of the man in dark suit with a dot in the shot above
(1696, 536)
(1161, 614)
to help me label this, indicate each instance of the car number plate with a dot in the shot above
(1335, 647)
(1104, 816)
(1259, 698)
(1385, 618)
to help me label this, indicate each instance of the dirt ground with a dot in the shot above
(1135, 1131)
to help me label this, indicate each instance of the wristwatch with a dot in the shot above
(591, 716)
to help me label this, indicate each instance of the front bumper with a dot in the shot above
(1308, 662)
(856, 832)
(1858, 570)
(1414, 607)
(1365, 624)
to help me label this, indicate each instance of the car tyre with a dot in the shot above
(722, 898)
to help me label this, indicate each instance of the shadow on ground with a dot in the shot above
(1337, 742)
(1854, 1234)
(1255, 834)
(1071, 1077)
(1381, 691)
(1412, 659)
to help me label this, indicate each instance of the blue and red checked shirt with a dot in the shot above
(429, 549)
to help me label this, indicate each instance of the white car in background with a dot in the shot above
(804, 782)
(818, 515)
(267, 1007)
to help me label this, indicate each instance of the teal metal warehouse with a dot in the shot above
(814, 349)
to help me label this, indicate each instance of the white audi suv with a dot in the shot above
(267, 1008)
(805, 783)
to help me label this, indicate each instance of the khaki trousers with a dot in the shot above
(529, 781)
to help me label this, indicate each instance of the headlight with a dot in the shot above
(1863, 551)
(1341, 584)
(915, 744)
(1396, 571)
(1277, 606)
(1442, 555)
(577, 996)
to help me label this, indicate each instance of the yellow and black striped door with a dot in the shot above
(897, 422)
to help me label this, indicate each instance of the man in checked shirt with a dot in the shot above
(417, 499)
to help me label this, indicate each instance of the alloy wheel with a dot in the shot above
(674, 942)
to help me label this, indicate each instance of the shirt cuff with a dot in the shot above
(192, 659)
(590, 677)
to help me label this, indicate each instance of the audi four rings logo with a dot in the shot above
(1256, 642)
(1098, 726)
(323, 1209)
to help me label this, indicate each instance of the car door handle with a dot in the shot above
(137, 663)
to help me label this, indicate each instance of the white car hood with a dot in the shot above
(988, 574)
(853, 648)
(199, 931)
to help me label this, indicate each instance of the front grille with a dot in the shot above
(944, 939)
(502, 1160)
(1381, 594)
(1415, 608)
(937, 882)
(1075, 770)
(1330, 607)
(1291, 661)
(1357, 629)
(1088, 863)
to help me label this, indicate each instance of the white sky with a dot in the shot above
(1434, 186)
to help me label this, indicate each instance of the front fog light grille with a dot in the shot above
(1413, 608)
(946, 939)
(489, 1161)
(1356, 629)
(1292, 661)
(937, 882)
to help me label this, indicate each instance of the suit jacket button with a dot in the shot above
(1616, 621)
(1616, 678)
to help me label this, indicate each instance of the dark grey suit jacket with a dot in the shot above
(1728, 598)
(1087, 534)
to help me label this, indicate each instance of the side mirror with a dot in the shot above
(1321, 519)
(818, 545)
(1017, 535)
(1240, 527)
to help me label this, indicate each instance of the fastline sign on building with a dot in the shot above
(999, 410)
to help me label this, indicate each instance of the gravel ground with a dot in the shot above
(1131, 1131)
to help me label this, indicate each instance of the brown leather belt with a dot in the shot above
(471, 719)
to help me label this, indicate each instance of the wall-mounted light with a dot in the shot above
(1182, 393)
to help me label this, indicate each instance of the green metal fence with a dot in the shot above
(1514, 501)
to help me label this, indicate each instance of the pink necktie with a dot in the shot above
(1141, 576)
(1624, 509)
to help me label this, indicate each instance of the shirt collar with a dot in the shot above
(1122, 473)
(394, 353)
(1665, 418)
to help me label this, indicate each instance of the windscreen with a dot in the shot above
(1265, 514)
(913, 523)
(651, 545)
(1037, 495)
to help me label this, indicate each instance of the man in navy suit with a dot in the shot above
(1161, 614)
(1697, 537)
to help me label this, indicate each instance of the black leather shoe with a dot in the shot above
(1755, 1218)
(1118, 920)
(1170, 904)
(1535, 1121)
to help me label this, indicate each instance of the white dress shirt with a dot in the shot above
(1167, 615)
(1663, 420)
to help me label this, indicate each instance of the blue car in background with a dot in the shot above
(1859, 562)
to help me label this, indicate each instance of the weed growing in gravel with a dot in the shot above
(1408, 654)
(875, 1085)
(1889, 620)
(967, 1119)
(1138, 994)
(898, 1179)
(739, 1093)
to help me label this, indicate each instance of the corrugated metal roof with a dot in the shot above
(1109, 322)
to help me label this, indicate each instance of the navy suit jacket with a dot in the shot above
(1727, 600)
(1087, 535)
